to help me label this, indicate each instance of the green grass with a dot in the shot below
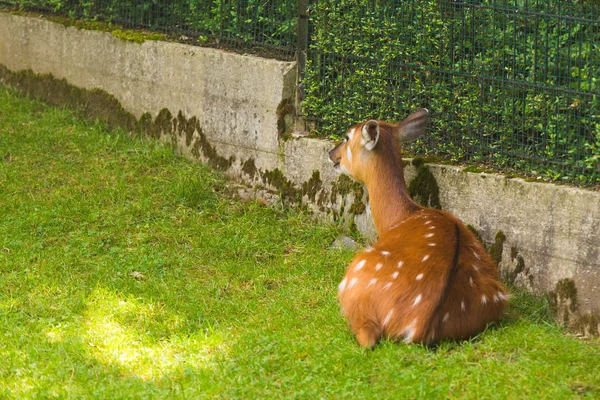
(129, 272)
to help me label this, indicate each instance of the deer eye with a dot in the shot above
(346, 138)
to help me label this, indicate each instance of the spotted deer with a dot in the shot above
(427, 277)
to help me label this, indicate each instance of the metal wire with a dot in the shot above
(262, 27)
(512, 84)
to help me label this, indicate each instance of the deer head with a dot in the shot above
(371, 154)
(367, 145)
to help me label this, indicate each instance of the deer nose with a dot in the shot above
(332, 157)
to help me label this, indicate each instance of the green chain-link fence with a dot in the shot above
(512, 84)
(263, 27)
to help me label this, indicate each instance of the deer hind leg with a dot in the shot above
(366, 327)
(367, 335)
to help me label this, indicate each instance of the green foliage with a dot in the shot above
(267, 23)
(510, 84)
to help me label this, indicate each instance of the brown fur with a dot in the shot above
(427, 277)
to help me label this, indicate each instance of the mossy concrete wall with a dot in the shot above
(235, 98)
(234, 111)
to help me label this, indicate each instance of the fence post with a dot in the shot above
(301, 47)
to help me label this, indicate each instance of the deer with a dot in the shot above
(427, 278)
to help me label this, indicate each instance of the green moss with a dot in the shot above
(473, 169)
(511, 276)
(357, 207)
(312, 186)
(145, 123)
(566, 288)
(563, 300)
(345, 186)
(286, 189)
(135, 36)
(498, 247)
(126, 35)
(285, 110)
(163, 124)
(424, 188)
(249, 167)
(186, 128)
(99, 104)
(513, 252)
(476, 233)
(321, 200)
(564, 306)
(587, 324)
(209, 152)
(93, 103)
(353, 228)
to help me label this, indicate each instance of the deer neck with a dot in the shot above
(389, 200)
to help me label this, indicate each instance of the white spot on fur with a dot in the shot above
(483, 299)
(400, 264)
(477, 255)
(387, 317)
(372, 282)
(352, 282)
(427, 222)
(378, 266)
(349, 154)
(425, 258)
(385, 253)
(432, 336)
(360, 265)
(395, 275)
(342, 285)
(496, 298)
(387, 286)
(431, 244)
(471, 282)
(419, 277)
(503, 296)
(409, 332)
(428, 235)
(462, 305)
(368, 249)
(431, 227)
(446, 316)
(417, 300)
(371, 145)
(475, 267)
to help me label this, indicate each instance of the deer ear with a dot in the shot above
(413, 126)
(370, 134)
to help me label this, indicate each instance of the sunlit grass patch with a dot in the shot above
(121, 331)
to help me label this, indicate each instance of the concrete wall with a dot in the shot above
(232, 110)
(235, 98)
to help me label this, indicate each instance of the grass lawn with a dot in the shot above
(129, 272)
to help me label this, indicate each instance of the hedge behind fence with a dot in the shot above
(511, 84)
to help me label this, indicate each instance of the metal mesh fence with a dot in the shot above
(262, 27)
(511, 84)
